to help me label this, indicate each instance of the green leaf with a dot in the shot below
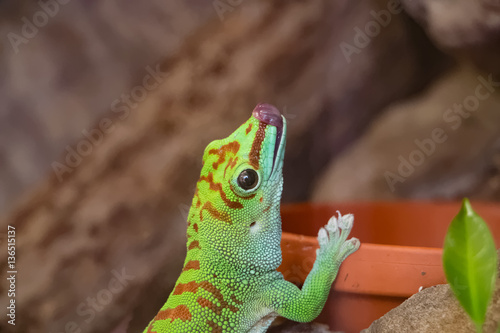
(470, 262)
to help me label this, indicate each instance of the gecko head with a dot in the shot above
(239, 192)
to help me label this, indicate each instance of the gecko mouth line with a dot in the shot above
(277, 144)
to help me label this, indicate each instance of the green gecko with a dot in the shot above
(229, 282)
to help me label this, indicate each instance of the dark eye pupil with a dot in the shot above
(248, 179)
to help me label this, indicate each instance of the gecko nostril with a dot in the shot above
(253, 223)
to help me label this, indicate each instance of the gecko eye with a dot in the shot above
(248, 179)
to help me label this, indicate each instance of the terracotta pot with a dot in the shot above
(400, 253)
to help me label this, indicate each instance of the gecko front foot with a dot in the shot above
(332, 238)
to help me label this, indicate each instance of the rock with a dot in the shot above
(358, 86)
(434, 310)
(466, 29)
(416, 149)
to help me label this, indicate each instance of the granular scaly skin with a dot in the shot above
(229, 282)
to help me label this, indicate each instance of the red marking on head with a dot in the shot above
(249, 128)
(261, 198)
(257, 145)
(221, 216)
(192, 264)
(227, 165)
(266, 209)
(218, 187)
(194, 245)
(195, 227)
(230, 164)
(231, 147)
(179, 312)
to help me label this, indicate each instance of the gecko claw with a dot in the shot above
(332, 238)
